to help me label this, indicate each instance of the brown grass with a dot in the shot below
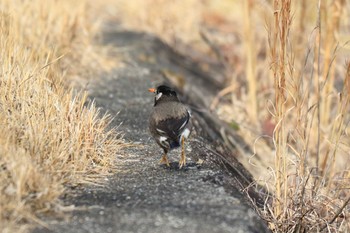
(286, 60)
(50, 137)
(278, 45)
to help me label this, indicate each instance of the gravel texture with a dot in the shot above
(144, 196)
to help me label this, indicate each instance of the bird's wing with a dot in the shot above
(173, 127)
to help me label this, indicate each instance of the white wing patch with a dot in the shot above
(163, 140)
(160, 131)
(185, 133)
(185, 123)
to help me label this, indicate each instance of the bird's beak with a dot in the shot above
(152, 90)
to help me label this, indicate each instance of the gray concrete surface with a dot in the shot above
(144, 196)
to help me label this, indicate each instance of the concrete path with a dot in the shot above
(143, 196)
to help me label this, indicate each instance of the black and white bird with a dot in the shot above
(169, 122)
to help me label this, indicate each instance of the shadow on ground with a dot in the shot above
(143, 196)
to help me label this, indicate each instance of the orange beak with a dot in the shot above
(152, 90)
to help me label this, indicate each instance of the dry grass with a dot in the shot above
(288, 91)
(49, 136)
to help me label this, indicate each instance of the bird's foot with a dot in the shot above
(164, 160)
(182, 161)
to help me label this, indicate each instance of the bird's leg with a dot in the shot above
(182, 161)
(164, 160)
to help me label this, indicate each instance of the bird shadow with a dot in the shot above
(175, 166)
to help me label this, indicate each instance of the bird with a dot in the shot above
(169, 122)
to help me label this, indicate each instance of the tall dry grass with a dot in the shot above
(50, 137)
(286, 75)
(310, 185)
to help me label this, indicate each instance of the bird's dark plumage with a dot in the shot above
(169, 122)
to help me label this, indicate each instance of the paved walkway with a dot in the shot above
(144, 196)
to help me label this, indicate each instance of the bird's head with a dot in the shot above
(163, 93)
